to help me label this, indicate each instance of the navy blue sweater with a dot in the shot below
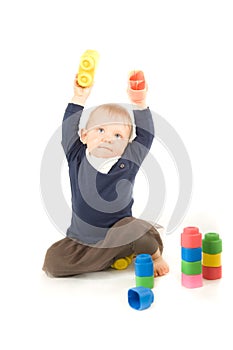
(100, 200)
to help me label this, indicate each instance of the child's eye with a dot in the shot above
(100, 130)
(118, 136)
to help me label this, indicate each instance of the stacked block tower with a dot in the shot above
(211, 257)
(144, 271)
(191, 253)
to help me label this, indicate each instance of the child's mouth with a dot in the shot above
(105, 147)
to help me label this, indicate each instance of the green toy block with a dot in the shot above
(191, 268)
(147, 282)
(211, 243)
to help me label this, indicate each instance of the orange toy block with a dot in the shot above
(137, 80)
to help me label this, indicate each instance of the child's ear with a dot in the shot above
(83, 136)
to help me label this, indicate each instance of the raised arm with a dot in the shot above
(137, 92)
(70, 124)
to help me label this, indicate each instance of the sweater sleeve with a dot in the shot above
(139, 148)
(70, 127)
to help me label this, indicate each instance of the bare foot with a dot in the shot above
(160, 265)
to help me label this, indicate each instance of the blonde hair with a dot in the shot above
(116, 113)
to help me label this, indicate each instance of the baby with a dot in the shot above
(104, 157)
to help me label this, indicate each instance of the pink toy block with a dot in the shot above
(191, 281)
(191, 237)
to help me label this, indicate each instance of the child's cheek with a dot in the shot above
(95, 143)
(120, 147)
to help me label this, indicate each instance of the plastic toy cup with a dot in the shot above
(191, 237)
(212, 244)
(140, 298)
(137, 80)
(87, 67)
(144, 266)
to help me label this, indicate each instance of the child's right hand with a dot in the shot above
(80, 93)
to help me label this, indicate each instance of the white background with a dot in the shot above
(185, 50)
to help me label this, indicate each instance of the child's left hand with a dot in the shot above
(137, 88)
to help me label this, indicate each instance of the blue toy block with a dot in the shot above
(191, 254)
(144, 266)
(140, 298)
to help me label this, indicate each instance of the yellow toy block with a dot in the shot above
(211, 260)
(122, 263)
(87, 68)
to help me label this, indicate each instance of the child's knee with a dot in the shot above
(146, 244)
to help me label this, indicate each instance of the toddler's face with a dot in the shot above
(104, 138)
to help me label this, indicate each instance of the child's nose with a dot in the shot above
(108, 138)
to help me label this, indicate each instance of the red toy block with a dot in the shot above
(137, 80)
(191, 237)
(211, 273)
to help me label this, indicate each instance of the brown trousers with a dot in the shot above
(68, 257)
